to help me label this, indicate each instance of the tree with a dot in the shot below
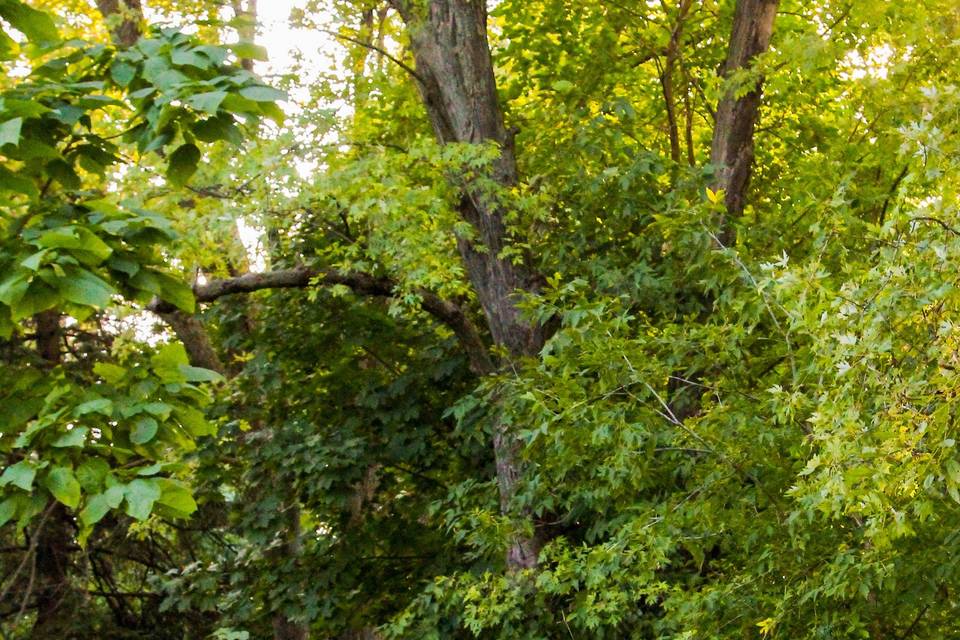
(593, 320)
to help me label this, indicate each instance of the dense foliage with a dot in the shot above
(570, 320)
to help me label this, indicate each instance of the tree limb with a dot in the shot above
(448, 313)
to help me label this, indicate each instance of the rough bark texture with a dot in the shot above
(732, 148)
(125, 20)
(195, 340)
(455, 73)
(454, 70)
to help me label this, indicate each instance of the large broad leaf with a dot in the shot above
(144, 429)
(248, 51)
(19, 475)
(36, 25)
(140, 496)
(82, 287)
(176, 292)
(64, 486)
(8, 509)
(76, 238)
(208, 101)
(262, 93)
(183, 164)
(73, 438)
(176, 497)
(10, 131)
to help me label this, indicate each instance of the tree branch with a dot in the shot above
(448, 313)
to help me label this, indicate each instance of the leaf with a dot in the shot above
(78, 238)
(199, 374)
(183, 164)
(73, 438)
(177, 497)
(99, 405)
(194, 422)
(10, 131)
(37, 25)
(84, 288)
(190, 58)
(248, 51)
(109, 372)
(221, 127)
(262, 93)
(63, 173)
(176, 292)
(20, 475)
(8, 509)
(140, 496)
(208, 102)
(122, 73)
(94, 510)
(92, 473)
(144, 429)
(64, 486)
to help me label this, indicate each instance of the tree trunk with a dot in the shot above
(732, 149)
(124, 20)
(56, 598)
(454, 71)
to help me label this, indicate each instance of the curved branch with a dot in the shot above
(445, 311)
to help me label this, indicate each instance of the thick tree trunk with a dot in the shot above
(732, 149)
(454, 70)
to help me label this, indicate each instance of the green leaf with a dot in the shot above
(122, 73)
(63, 173)
(78, 238)
(183, 164)
(64, 486)
(177, 497)
(84, 288)
(20, 475)
(144, 429)
(208, 102)
(140, 495)
(194, 422)
(190, 58)
(262, 93)
(99, 405)
(220, 128)
(109, 372)
(8, 509)
(248, 51)
(92, 473)
(73, 438)
(10, 132)
(37, 25)
(94, 511)
(176, 292)
(199, 374)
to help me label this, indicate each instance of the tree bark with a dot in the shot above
(667, 78)
(732, 149)
(454, 70)
(247, 31)
(55, 598)
(125, 20)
